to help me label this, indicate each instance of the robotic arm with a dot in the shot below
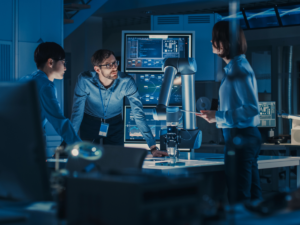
(190, 136)
(295, 131)
(288, 116)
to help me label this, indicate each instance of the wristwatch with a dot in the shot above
(156, 148)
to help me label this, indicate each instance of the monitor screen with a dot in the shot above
(289, 15)
(239, 16)
(267, 114)
(149, 85)
(146, 52)
(132, 132)
(24, 174)
(259, 18)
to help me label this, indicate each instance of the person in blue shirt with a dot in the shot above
(237, 116)
(98, 103)
(50, 61)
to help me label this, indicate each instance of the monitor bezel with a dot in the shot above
(126, 34)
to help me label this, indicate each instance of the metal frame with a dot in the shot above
(70, 15)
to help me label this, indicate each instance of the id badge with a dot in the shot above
(103, 129)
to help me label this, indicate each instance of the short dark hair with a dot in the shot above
(220, 34)
(48, 50)
(100, 55)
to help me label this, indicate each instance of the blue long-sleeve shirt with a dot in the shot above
(238, 96)
(50, 109)
(87, 100)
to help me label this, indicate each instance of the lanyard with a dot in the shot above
(104, 110)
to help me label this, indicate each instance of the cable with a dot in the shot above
(189, 138)
(190, 111)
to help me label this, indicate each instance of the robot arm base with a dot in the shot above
(191, 139)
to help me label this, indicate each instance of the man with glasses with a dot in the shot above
(50, 62)
(98, 102)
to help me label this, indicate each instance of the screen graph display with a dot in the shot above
(145, 52)
(149, 86)
(132, 132)
(267, 114)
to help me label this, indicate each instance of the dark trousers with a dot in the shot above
(90, 126)
(242, 147)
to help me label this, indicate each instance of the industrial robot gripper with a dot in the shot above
(190, 137)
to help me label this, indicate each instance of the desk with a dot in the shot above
(209, 162)
(287, 147)
(244, 217)
(217, 148)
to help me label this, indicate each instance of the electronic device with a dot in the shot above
(172, 136)
(143, 55)
(23, 170)
(295, 131)
(145, 51)
(263, 17)
(149, 86)
(113, 158)
(239, 16)
(190, 134)
(289, 15)
(131, 131)
(133, 199)
(267, 114)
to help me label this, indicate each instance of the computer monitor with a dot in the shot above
(289, 15)
(239, 16)
(145, 51)
(132, 133)
(23, 170)
(149, 85)
(263, 17)
(267, 114)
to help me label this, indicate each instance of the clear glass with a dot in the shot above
(85, 150)
(111, 65)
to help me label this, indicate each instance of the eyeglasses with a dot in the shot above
(111, 65)
(63, 61)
